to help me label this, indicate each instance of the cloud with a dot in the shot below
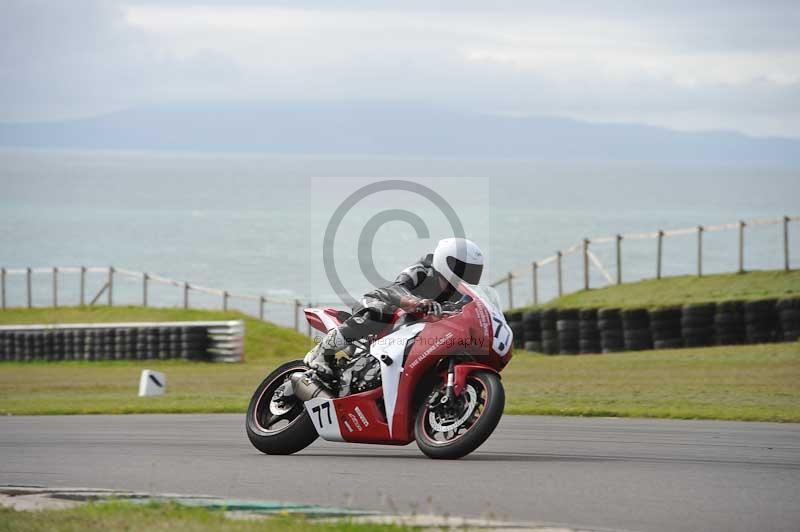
(710, 66)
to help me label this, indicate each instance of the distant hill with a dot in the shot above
(390, 129)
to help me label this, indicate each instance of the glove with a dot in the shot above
(429, 307)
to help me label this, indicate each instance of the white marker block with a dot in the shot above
(152, 383)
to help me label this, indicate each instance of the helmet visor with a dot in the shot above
(469, 273)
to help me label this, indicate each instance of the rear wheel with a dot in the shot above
(454, 431)
(275, 425)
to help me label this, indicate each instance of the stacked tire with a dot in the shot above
(532, 331)
(789, 315)
(568, 331)
(515, 322)
(697, 324)
(588, 331)
(665, 326)
(549, 326)
(636, 329)
(609, 323)
(729, 323)
(761, 321)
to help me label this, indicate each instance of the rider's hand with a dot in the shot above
(430, 307)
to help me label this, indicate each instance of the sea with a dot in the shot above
(325, 229)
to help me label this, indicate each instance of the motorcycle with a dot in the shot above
(433, 380)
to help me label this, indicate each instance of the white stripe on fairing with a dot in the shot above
(393, 345)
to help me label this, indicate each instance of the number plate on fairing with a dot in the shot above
(323, 415)
(502, 337)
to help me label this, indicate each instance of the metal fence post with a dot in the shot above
(585, 263)
(186, 294)
(558, 272)
(28, 285)
(786, 243)
(145, 278)
(55, 286)
(658, 253)
(83, 285)
(297, 305)
(510, 290)
(741, 246)
(261, 308)
(619, 259)
(3, 287)
(699, 250)
(535, 268)
(225, 296)
(110, 286)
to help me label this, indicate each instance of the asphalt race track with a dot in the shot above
(598, 473)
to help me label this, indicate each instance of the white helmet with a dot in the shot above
(458, 259)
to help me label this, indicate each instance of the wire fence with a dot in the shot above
(580, 266)
(594, 272)
(100, 285)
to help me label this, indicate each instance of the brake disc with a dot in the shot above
(441, 424)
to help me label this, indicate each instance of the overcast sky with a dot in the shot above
(686, 65)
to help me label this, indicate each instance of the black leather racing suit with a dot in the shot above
(374, 312)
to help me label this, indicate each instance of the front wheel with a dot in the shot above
(454, 431)
(276, 425)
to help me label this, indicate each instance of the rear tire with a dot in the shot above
(298, 434)
(476, 433)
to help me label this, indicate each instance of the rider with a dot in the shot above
(422, 287)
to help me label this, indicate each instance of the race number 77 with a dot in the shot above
(318, 411)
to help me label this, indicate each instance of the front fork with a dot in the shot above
(439, 399)
(449, 391)
(456, 380)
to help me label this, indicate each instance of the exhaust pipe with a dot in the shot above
(305, 388)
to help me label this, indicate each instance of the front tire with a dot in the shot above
(284, 433)
(479, 409)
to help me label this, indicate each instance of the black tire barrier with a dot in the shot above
(668, 344)
(515, 322)
(588, 347)
(532, 327)
(665, 325)
(549, 333)
(789, 317)
(533, 346)
(126, 343)
(550, 347)
(693, 325)
(699, 310)
(697, 324)
(518, 329)
(567, 326)
(636, 329)
(761, 321)
(729, 323)
(609, 323)
(588, 332)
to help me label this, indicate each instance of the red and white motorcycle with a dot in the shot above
(433, 380)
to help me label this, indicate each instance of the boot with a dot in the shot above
(323, 356)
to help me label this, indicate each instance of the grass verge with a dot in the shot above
(756, 382)
(676, 291)
(155, 517)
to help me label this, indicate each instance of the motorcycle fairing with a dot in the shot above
(322, 319)
(357, 416)
(393, 346)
